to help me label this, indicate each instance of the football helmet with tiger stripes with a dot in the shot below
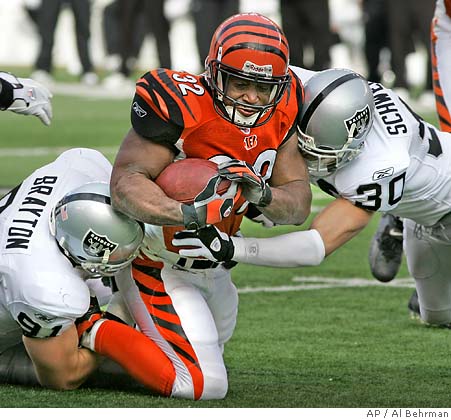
(253, 48)
(93, 235)
(335, 119)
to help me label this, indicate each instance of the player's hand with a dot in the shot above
(209, 207)
(255, 188)
(208, 242)
(30, 98)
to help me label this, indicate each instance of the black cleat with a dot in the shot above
(414, 306)
(385, 254)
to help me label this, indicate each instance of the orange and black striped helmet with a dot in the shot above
(254, 48)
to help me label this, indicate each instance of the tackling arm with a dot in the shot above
(290, 187)
(59, 362)
(339, 222)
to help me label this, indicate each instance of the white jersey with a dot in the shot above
(441, 61)
(404, 168)
(443, 14)
(39, 288)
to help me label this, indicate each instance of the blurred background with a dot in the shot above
(109, 43)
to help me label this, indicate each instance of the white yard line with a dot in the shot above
(46, 151)
(314, 283)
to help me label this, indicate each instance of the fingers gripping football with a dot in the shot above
(209, 206)
(208, 242)
(255, 188)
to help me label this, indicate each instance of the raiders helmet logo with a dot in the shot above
(96, 245)
(358, 122)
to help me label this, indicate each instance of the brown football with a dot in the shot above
(184, 179)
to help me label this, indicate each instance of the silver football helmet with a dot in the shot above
(93, 235)
(335, 119)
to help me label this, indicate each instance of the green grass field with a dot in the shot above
(336, 346)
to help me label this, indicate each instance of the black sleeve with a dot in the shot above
(252, 211)
(290, 131)
(149, 125)
(300, 101)
(6, 94)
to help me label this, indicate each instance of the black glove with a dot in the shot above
(209, 207)
(255, 188)
(254, 214)
(208, 242)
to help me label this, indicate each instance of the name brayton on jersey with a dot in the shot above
(30, 211)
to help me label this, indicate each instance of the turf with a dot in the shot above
(333, 347)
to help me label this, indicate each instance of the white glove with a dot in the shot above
(30, 98)
(208, 242)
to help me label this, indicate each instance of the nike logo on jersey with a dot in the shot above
(138, 110)
(45, 318)
(383, 173)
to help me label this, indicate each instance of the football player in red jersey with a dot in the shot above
(241, 113)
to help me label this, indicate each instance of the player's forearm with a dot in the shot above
(290, 204)
(139, 198)
(59, 362)
(296, 249)
(339, 222)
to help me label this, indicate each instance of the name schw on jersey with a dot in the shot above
(388, 110)
(29, 212)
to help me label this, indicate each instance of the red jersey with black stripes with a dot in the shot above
(176, 109)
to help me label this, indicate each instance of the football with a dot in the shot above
(184, 179)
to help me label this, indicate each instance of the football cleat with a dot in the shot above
(385, 254)
(414, 306)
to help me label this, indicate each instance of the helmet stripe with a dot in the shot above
(82, 196)
(246, 22)
(321, 96)
(257, 47)
(247, 32)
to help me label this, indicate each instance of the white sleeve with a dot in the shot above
(290, 250)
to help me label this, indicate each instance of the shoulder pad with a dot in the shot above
(174, 96)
